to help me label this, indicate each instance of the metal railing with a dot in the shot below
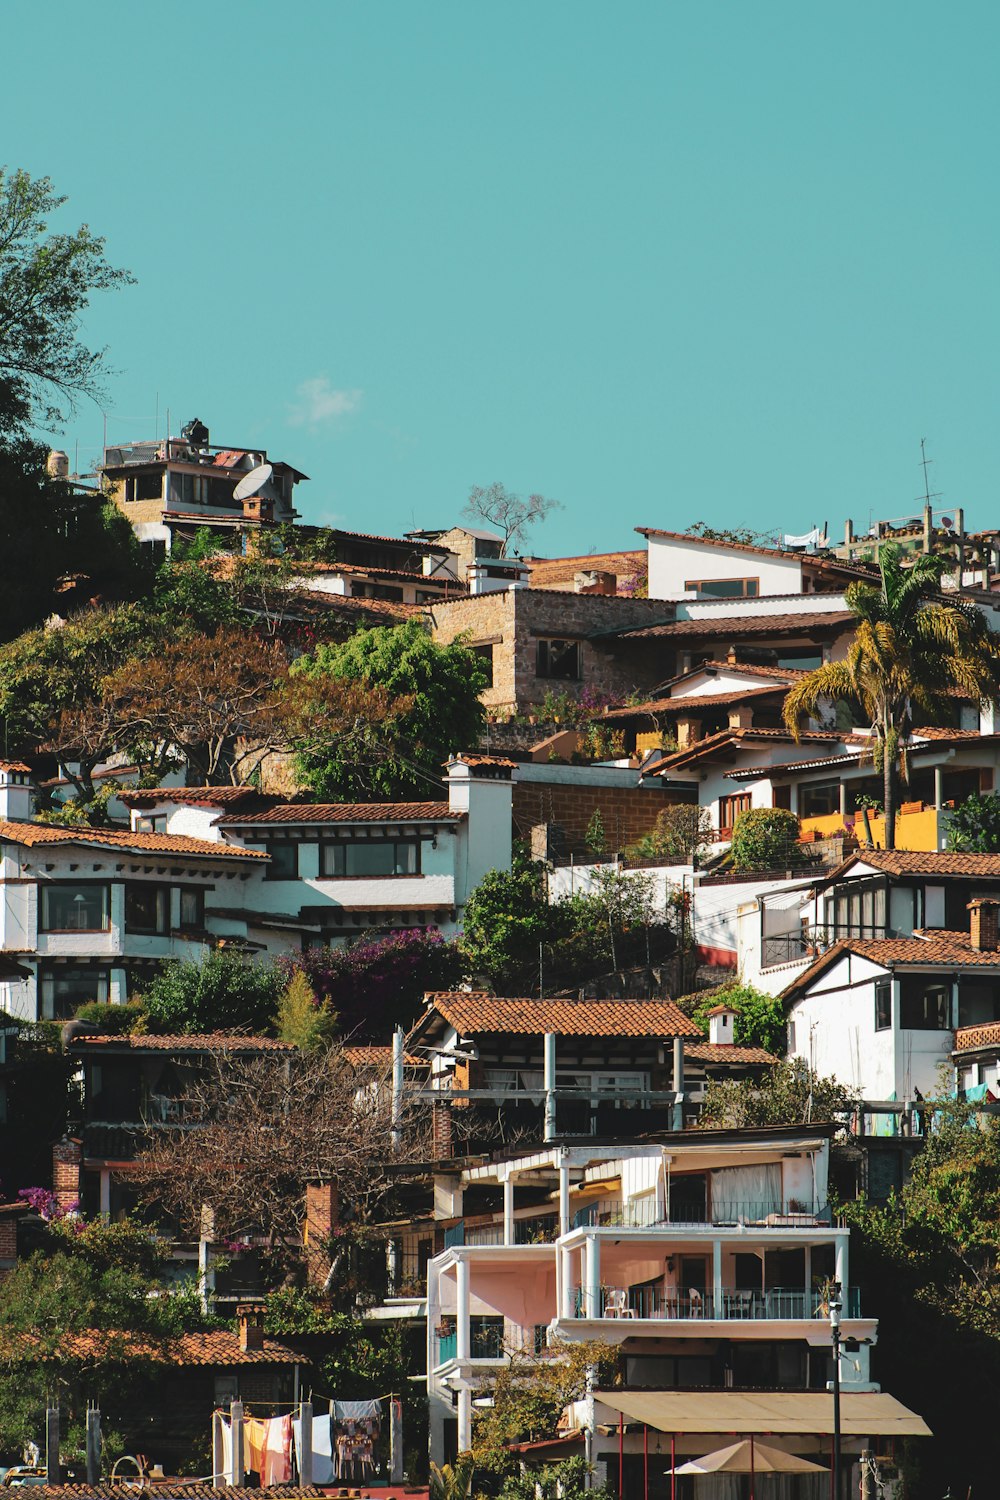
(611, 1213)
(538, 1229)
(733, 1304)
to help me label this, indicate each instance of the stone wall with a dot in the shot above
(512, 622)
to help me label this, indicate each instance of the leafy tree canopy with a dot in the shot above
(790, 1094)
(377, 984)
(766, 838)
(46, 281)
(438, 713)
(224, 992)
(974, 826)
(761, 1019)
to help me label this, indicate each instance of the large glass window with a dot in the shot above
(924, 1005)
(147, 908)
(192, 909)
(63, 989)
(371, 857)
(75, 908)
(819, 798)
(284, 861)
(724, 588)
(978, 1001)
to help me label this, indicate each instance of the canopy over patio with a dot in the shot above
(862, 1413)
(749, 1457)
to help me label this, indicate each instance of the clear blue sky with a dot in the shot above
(663, 262)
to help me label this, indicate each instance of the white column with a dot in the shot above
(939, 787)
(508, 1209)
(464, 1420)
(462, 1309)
(592, 1276)
(567, 1308)
(841, 1265)
(105, 1191)
(549, 1084)
(563, 1194)
(717, 1311)
(808, 1277)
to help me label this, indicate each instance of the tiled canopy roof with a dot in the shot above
(932, 949)
(477, 1011)
(196, 796)
(732, 738)
(693, 704)
(348, 812)
(32, 834)
(720, 627)
(931, 863)
(715, 1052)
(213, 1347)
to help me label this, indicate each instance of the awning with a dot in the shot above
(862, 1413)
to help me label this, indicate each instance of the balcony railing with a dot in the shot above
(539, 1229)
(761, 1213)
(733, 1304)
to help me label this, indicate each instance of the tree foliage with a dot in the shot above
(304, 1021)
(790, 1094)
(909, 650)
(223, 992)
(47, 279)
(761, 1018)
(512, 515)
(529, 1395)
(432, 710)
(974, 826)
(377, 983)
(678, 835)
(765, 838)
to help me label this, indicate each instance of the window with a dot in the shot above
(284, 861)
(147, 908)
(724, 588)
(883, 1005)
(62, 990)
(924, 1005)
(485, 654)
(192, 909)
(558, 659)
(143, 487)
(731, 807)
(152, 825)
(819, 799)
(368, 858)
(978, 1002)
(75, 908)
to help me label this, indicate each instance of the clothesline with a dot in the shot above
(294, 1406)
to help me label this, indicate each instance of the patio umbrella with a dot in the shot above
(749, 1457)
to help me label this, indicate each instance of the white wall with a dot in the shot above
(672, 563)
(793, 603)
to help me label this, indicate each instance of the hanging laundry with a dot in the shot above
(322, 1449)
(357, 1411)
(226, 1433)
(277, 1451)
(254, 1442)
(357, 1425)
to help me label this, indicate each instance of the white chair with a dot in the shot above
(617, 1305)
(696, 1302)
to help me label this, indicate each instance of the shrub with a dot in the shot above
(114, 1020)
(975, 825)
(677, 836)
(378, 984)
(223, 993)
(761, 1018)
(765, 838)
(304, 1020)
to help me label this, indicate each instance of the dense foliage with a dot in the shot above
(974, 826)
(438, 712)
(378, 983)
(761, 1019)
(224, 992)
(765, 838)
(789, 1094)
(678, 835)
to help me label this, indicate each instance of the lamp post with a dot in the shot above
(836, 1303)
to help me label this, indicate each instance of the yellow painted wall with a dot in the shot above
(917, 830)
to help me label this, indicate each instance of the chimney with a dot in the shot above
(17, 795)
(983, 924)
(322, 1212)
(688, 733)
(250, 1321)
(721, 1021)
(67, 1173)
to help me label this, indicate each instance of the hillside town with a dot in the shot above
(499, 982)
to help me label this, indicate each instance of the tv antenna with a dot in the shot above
(925, 464)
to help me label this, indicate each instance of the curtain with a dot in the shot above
(746, 1193)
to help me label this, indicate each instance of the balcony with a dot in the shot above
(539, 1229)
(490, 1338)
(733, 1304)
(611, 1213)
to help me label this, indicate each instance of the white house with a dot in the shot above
(880, 1014)
(683, 565)
(704, 1257)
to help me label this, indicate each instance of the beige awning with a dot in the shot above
(862, 1414)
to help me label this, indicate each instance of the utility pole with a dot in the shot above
(835, 1307)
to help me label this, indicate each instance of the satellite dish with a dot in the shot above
(252, 482)
(947, 522)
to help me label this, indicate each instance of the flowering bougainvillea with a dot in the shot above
(377, 984)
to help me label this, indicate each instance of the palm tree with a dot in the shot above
(452, 1482)
(910, 647)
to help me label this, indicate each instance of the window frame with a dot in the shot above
(49, 888)
(330, 848)
(883, 1005)
(272, 872)
(161, 894)
(51, 974)
(716, 588)
(543, 658)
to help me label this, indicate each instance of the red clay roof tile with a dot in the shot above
(478, 1011)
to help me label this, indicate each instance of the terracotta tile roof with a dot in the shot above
(744, 669)
(933, 948)
(719, 544)
(381, 1057)
(715, 1052)
(932, 863)
(720, 627)
(691, 704)
(210, 1041)
(928, 743)
(213, 1347)
(348, 812)
(318, 602)
(15, 765)
(730, 738)
(32, 834)
(481, 760)
(972, 1038)
(195, 796)
(551, 572)
(478, 1011)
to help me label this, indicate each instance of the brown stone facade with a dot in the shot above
(626, 812)
(513, 621)
(67, 1173)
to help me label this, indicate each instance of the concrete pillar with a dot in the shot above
(592, 1276)
(549, 1084)
(939, 787)
(567, 1306)
(462, 1341)
(841, 1267)
(508, 1209)
(219, 1473)
(563, 1195)
(93, 1445)
(237, 1472)
(306, 1443)
(843, 799)
(52, 1445)
(395, 1440)
(464, 1420)
(717, 1310)
(105, 1192)
(808, 1278)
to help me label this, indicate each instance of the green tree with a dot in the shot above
(570, 1479)
(507, 916)
(765, 838)
(224, 992)
(303, 1020)
(910, 648)
(761, 1019)
(98, 1279)
(529, 1395)
(678, 835)
(790, 1094)
(974, 826)
(437, 688)
(46, 282)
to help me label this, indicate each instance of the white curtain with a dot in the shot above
(746, 1193)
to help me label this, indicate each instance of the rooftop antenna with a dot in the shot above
(925, 464)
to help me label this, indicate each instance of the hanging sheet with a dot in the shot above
(322, 1448)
